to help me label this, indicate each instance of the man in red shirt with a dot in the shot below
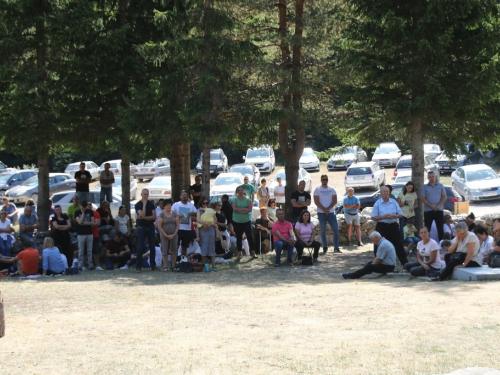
(283, 237)
(27, 261)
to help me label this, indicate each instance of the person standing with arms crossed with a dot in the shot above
(106, 179)
(146, 217)
(83, 179)
(433, 196)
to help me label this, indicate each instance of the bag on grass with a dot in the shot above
(458, 257)
(494, 261)
(307, 260)
(185, 267)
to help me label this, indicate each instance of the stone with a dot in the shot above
(476, 273)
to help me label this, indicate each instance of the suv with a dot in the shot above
(367, 174)
(429, 165)
(218, 162)
(262, 157)
(387, 154)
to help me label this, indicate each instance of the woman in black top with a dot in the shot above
(61, 225)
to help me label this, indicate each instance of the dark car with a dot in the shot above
(368, 200)
(10, 179)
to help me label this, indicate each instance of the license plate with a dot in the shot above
(490, 193)
(155, 191)
(144, 169)
(359, 178)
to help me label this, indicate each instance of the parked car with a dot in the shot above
(226, 183)
(65, 199)
(10, 179)
(255, 209)
(432, 150)
(450, 164)
(387, 154)
(89, 166)
(115, 166)
(404, 176)
(151, 169)
(309, 160)
(430, 165)
(367, 199)
(303, 175)
(263, 158)
(248, 170)
(4, 168)
(476, 182)
(344, 158)
(364, 175)
(160, 188)
(29, 188)
(218, 162)
(117, 187)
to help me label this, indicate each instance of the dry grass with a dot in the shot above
(249, 318)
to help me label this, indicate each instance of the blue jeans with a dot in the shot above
(83, 195)
(414, 240)
(106, 194)
(332, 220)
(142, 234)
(6, 246)
(279, 246)
(28, 240)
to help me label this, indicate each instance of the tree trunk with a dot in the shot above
(43, 207)
(417, 165)
(205, 171)
(2, 318)
(176, 169)
(126, 182)
(186, 165)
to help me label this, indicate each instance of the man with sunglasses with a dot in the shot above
(249, 188)
(325, 198)
(184, 209)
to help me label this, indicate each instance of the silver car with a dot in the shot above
(476, 182)
(160, 188)
(405, 163)
(387, 154)
(248, 170)
(65, 199)
(90, 166)
(153, 168)
(29, 188)
(345, 157)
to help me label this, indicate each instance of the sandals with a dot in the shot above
(165, 269)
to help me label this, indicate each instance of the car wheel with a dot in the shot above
(35, 198)
(140, 179)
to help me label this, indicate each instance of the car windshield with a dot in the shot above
(484, 174)
(404, 163)
(401, 179)
(32, 181)
(4, 178)
(349, 150)
(428, 148)
(257, 154)
(162, 181)
(73, 167)
(215, 156)
(227, 181)
(308, 152)
(385, 150)
(150, 164)
(358, 171)
(243, 170)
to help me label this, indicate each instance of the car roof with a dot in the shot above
(388, 144)
(475, 167)
(363, 164)
(243, 165)
(83, 161)
(230, 174)
(404, 157)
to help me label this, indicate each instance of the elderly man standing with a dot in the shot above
(106, 179)
(386, 213)
(28, 222)
(385, 259)
(283, 238)
(433, 196)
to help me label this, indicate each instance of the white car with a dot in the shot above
(152, 169)
(432, 150)
(226, 183)
(160, 188)
(117, 187)
(303, 175)
(89, 166)
(364, 175)
(309, 160)
(263, 158)
(476, 182)
(65, 199)
(248, 170)
(404, 176)
(387, 154)
(255, 209)
(115, 166)
(344, 158)
(404, 163)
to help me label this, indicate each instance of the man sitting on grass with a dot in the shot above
(384, 261)
(117, 251)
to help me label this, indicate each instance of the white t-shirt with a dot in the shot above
(486, 246)
(426, 250)
(4, 226)
(122, 223)
(463, 248)
(193, 248)
(325, 197)
(279, 190)
(184, 209)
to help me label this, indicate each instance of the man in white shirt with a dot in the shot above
(325, 198)
(183, 209)
(279, 193)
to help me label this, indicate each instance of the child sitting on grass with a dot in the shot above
(445, 244)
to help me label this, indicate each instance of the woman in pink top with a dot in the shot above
(304, 230)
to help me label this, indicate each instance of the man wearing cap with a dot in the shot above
(279, 193)
(11, 208)
(249, 189)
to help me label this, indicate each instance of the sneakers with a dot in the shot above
(84, 269)
(98, 268)
(346, 275)
(360, 243)
(125, 267)
(325, 250)
(337, 251)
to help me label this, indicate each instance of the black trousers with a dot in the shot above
(438, 217)
(451, 264)
(239, 229)
(391, 232)
(299, 246)
(370, 268)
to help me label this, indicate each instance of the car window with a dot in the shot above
(215, 156)
(57, 197)
(485, 174)
(257, 153)
(18, 177)
(404, 163)
(161, 181)
(61, 178)
(52, 180)
(356, 171)
(27, 175)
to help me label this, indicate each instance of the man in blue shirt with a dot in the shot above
(433, 196)
(385, 259)
(28, 222)
(386, 213)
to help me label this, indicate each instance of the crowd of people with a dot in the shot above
(195, 230)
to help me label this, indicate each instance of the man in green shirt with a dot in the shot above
(249, 189)
(72, 210)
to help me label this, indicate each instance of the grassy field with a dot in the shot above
(249, 318)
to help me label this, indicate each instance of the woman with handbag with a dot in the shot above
(428, 259)
(464, 252)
